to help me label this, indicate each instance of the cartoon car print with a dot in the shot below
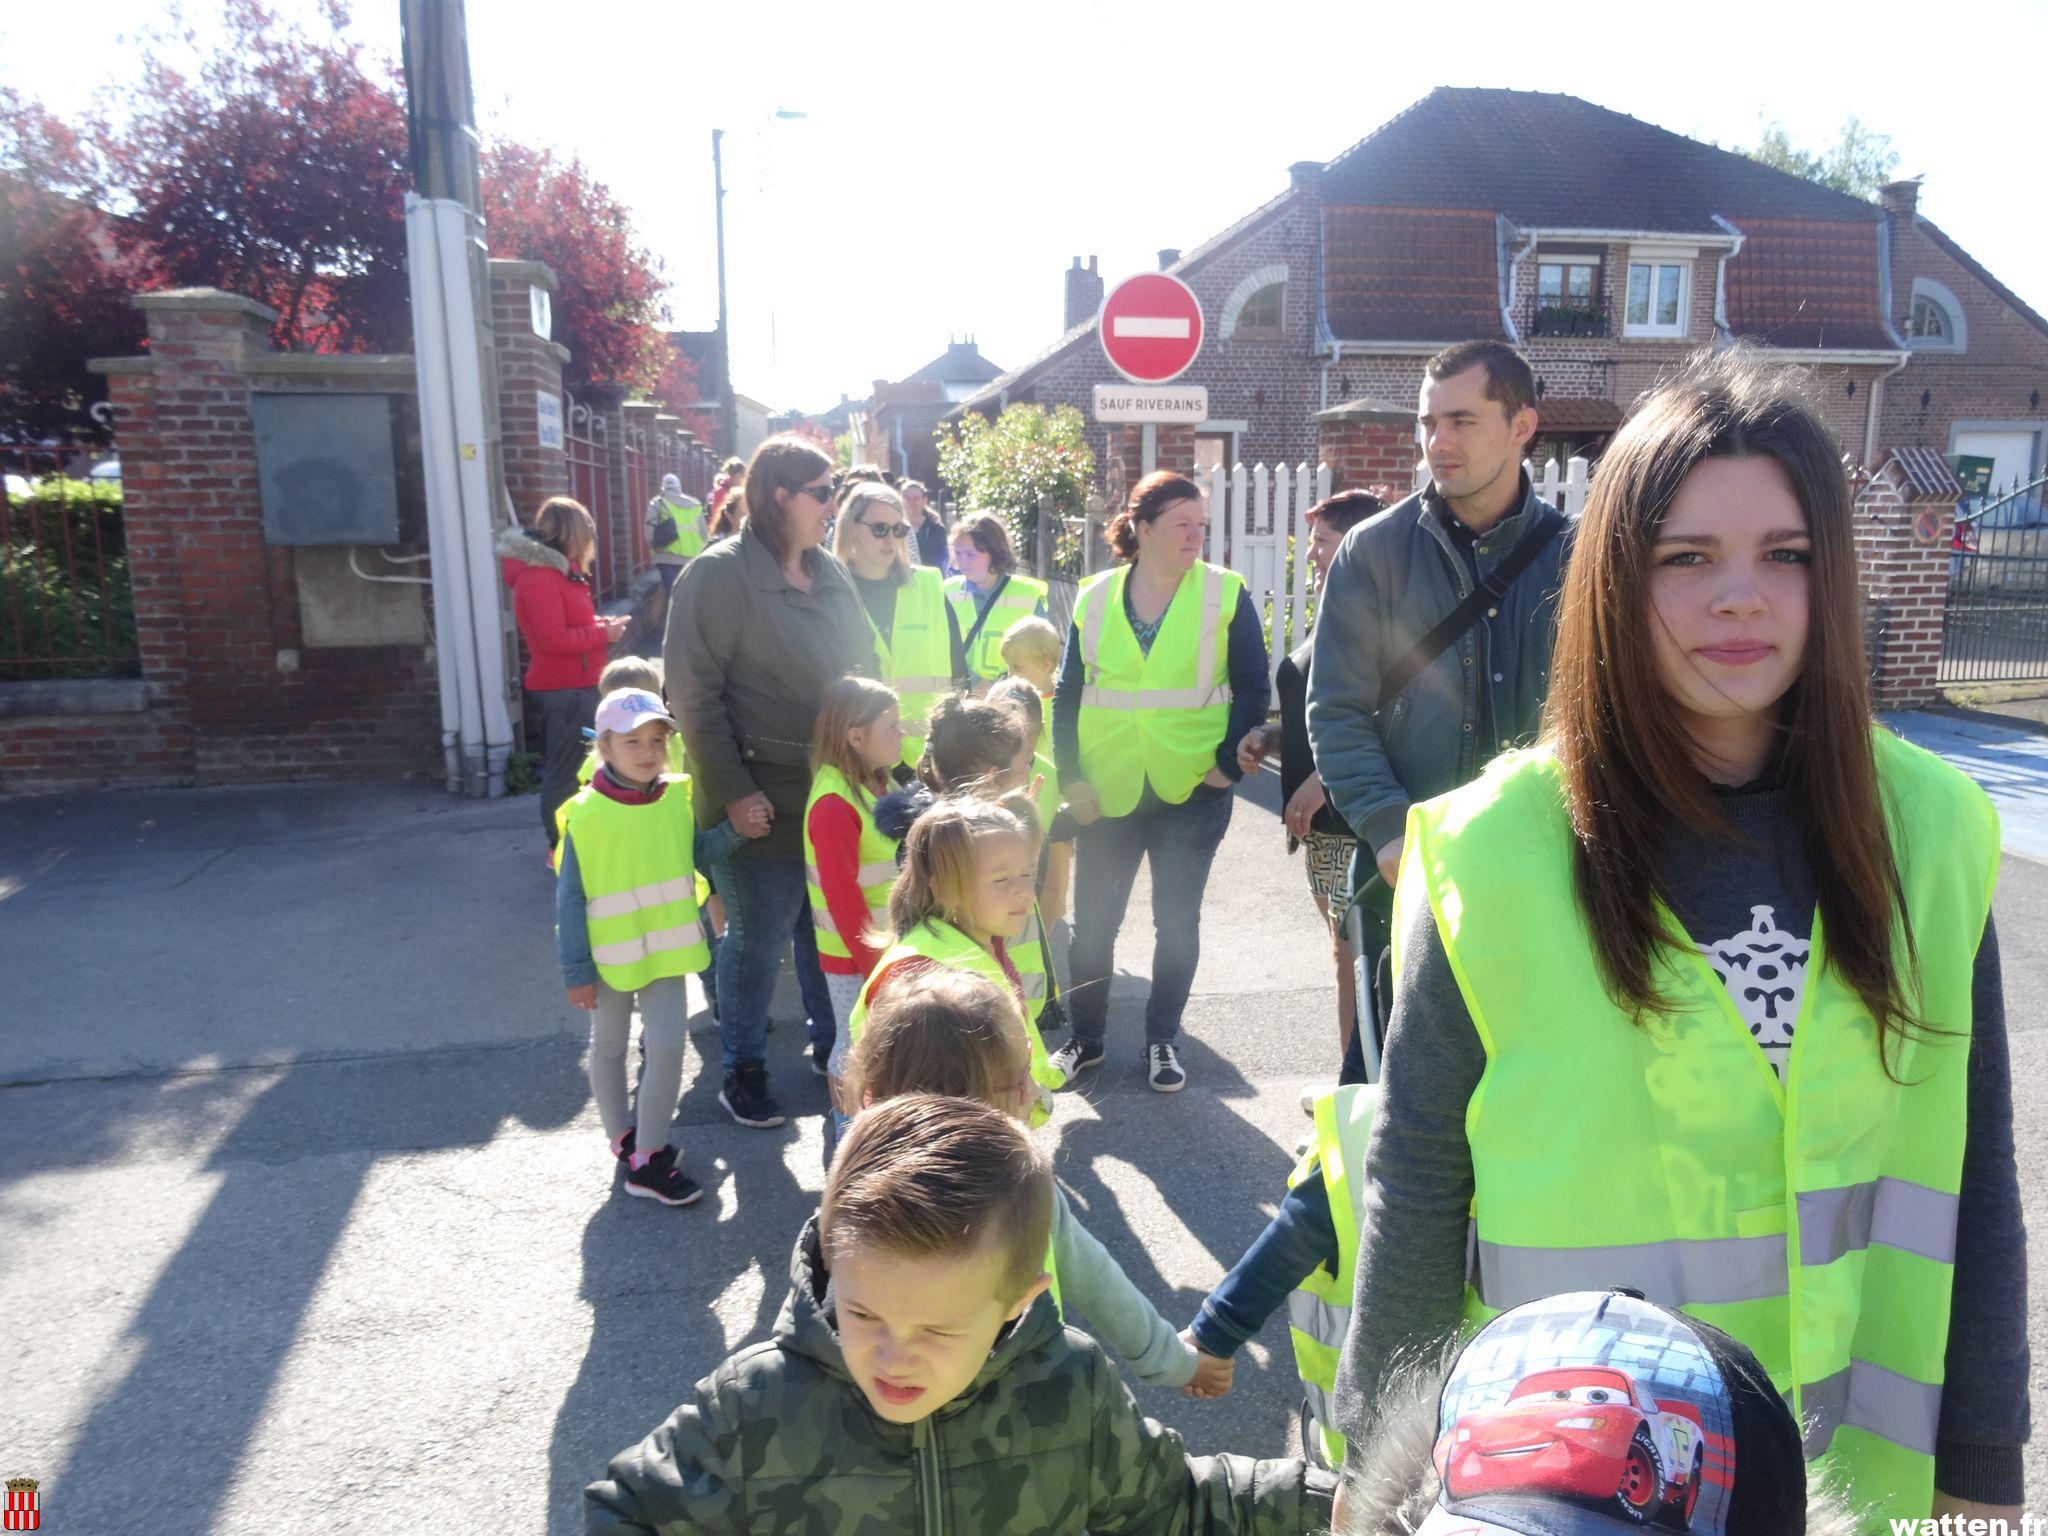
(1585, 1433)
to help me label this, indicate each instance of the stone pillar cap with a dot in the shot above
(203, 300)
(1366, 408)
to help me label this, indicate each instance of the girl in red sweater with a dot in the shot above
(548, 569)
(849, 862)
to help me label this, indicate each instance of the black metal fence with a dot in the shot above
(66, 609)
(1996, 627)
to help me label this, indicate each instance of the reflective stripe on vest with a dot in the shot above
(1813, 1219)
(1154, 716)
(639, 884)
(1319, 1309)
(917, 658)
(1020, 599)
(941, 943)
(877, 871)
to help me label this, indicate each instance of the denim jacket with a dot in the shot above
(1395, 577)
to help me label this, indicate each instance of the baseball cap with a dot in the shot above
(1596, 1411)
(627, 709)
(670, 483)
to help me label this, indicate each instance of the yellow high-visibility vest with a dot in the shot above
(639, 885)
(1814, 1220)
(1154, 716)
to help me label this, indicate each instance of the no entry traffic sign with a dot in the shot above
(1151, 327)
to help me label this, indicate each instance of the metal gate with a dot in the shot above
(1996, 626)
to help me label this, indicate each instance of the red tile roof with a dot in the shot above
(1412, 274)
(1808, 283)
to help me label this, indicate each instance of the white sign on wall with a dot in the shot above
(542, 308)
(1164, 404)
(548, 411)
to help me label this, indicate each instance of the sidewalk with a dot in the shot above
(2010, 762)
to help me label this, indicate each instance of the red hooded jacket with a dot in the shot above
(557, 616)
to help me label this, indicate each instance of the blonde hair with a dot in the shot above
(937, 877)
(985, 531)
(851, 704)
(631, 672)
(1029, 640)
(938, 1030)
(565, 526)
(860, 493)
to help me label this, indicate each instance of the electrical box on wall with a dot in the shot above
(328, 468)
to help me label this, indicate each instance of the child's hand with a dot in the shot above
(1213, 1375)
(584, 997)
(1252, 750)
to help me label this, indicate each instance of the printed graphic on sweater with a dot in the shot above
(1764, 970)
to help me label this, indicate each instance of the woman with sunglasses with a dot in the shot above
(916, 633)
(760, 626)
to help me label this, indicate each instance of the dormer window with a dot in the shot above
(1659, 293)
(1935, 321)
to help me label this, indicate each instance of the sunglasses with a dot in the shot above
(821, 494)
(885, 530)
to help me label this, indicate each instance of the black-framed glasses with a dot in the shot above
(885, 530)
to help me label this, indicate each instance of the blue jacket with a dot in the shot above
(1396, 576)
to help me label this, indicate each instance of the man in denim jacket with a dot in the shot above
(1399, 574)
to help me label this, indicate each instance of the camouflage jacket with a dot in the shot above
(1047, 1439)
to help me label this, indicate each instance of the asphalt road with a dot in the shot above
(306, 1222)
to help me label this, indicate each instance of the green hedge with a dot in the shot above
(65, 617)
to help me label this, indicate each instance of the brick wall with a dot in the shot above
(1903, 528)
(2002, 375)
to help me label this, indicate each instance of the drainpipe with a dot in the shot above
(1507, 306)
(1721, 332)
(1884, 296)
(1329, 362)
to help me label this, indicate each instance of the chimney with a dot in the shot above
(1304, 173)
(1900, 197)
(1168, 255)
(1084, 293)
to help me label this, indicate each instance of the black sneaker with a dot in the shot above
(821, 1057)
(1162, 1069)
(747, 1099)
(1074, 1058)
(660, 1179)
(623, 1148)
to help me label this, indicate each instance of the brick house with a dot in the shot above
(895, 430)
(1606, 249)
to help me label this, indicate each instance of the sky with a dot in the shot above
(953, 159)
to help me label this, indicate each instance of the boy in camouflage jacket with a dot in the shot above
(904, 1391)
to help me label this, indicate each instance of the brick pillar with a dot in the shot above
(1174, 448)
(529, 366)
(1905, 519)
(1368, 444)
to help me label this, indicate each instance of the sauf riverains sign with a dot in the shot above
(24, 1505)
(1163, 404)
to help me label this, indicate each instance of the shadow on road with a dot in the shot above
(224, 1314)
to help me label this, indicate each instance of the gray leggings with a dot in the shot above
(664, 1009)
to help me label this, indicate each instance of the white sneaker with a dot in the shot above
(1162, 1069)
(1074, 1058)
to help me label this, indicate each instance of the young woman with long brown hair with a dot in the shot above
(1701, 996)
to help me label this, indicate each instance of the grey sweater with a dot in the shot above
(1412, 1231)
(1116, 1312)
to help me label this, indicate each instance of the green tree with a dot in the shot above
(1027, 464)
(1859, 163)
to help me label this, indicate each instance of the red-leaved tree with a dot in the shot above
(679, 390)
(279, 172)
(607, 286)
(64, 283)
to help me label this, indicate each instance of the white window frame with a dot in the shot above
(1937, 294)
(1655, 256)
(1254, 282)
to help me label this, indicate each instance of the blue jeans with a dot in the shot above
(1180, 841)
(766, 906)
